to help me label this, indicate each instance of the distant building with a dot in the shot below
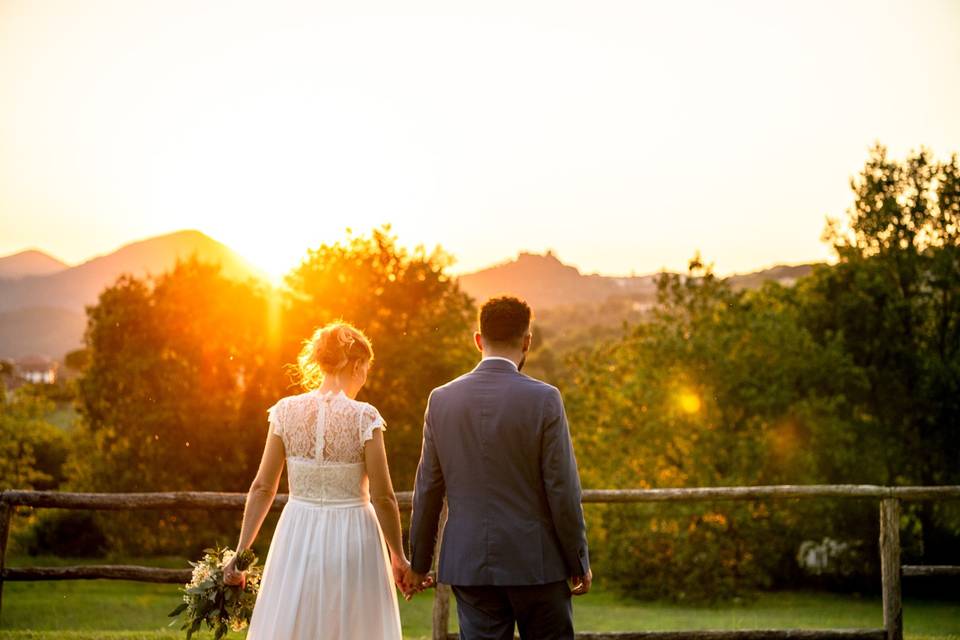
(35, 369)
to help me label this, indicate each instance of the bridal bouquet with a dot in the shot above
(221, 606)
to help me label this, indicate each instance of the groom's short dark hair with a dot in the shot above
(505, 320)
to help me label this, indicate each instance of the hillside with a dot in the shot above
(45, 331)
(78, 286)
(29, 263)
(547, 283)
(44, 314)
(575, 311)
(784, 274)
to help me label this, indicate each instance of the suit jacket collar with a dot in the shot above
(496, 364)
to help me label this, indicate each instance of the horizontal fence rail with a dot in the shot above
(930, 570)
(99, 572)
(889, 499)
(740, 634)
(234, 501)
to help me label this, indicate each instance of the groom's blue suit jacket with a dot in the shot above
(496, 444)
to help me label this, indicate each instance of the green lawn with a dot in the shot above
(84, 610)
(71, 609)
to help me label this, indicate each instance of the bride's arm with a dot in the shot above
(262, 491)
(383, 498)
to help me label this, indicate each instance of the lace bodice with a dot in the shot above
(323, 435)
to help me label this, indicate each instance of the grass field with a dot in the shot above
(84, 610)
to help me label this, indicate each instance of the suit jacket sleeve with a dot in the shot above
(428, 493)
(561, 483)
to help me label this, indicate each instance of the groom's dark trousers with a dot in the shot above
(497, 446)
(541, 611)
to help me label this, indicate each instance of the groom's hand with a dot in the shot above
(580, 585)
(414, 580)
(411, 584)
(417, 582)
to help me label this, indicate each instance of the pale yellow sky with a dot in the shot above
(623, 135)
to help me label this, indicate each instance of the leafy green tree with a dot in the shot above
(173, 397)
(76, 359)
(719, 387)
(32, 451)
(418, 319)
(893, 300)
(851, 376)
(180, 368)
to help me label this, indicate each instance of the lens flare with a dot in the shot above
(689, 402)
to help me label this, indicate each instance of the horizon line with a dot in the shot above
(452, 270)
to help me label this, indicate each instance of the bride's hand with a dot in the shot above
(233, 577)
(401, 571)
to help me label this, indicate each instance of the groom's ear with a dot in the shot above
(478, 339)
(527, 341)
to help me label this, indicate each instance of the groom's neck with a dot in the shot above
(510, 354)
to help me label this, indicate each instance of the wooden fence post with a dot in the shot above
(441, 612)
(890, 567)
(5, 511)
(441, 596)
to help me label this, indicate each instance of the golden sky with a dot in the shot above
(623, 135)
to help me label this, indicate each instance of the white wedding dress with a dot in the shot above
(327, 573)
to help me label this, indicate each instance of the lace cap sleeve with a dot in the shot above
(370, 420)
(274, 417)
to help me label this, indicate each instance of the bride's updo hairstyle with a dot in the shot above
(331, 349)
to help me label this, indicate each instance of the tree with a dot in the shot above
(414, 313)
(76, 359)
(851, 376)
(718, 388)
(173, 396)
(32, 451)
(180, 368)
(893, 299)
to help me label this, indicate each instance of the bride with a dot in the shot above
(327, 573)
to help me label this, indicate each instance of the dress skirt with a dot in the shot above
(327, 575)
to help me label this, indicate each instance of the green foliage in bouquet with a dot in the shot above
(206, 599)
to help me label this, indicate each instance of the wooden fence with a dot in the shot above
(889, 498)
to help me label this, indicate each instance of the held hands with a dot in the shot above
(417, 582)
(580, 585)
(409, 581)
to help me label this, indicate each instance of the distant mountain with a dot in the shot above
(577, 311)
(29, 263)
(46, 331)
(784, 274)
(45, 314)
(75, 287)
(547, 283)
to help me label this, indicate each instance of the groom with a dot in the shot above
(497, 446)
